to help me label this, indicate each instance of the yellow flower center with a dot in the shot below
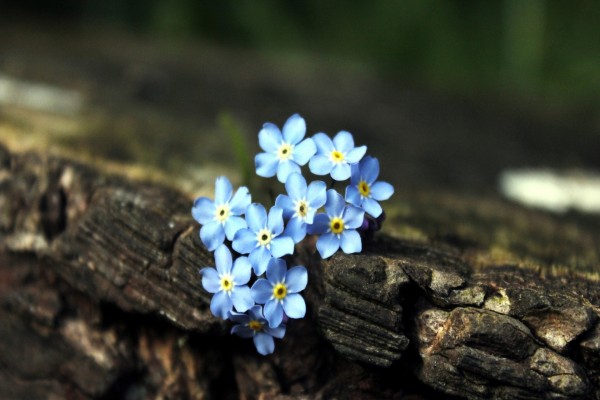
(285, 151)
(279, 291)
(364, 189)
(255, 325)
(222, 213)
(337, 156)
(264, 237)
(301, 208)
(336, 225)
(226, 283)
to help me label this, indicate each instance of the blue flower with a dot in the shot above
(229, 283)
(285, 153)
(338, 226)
(364, 190)
(335, 157)
(221, 217)
(263, 238)
(253, 325)
(279, 292)
(300, 204)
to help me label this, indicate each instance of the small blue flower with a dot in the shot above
(221, 217)
(300, 204)
(335, 157)
(364, 190)
(279, 292)
(254, 325)
(263, 238)
(229, 283)
(338, 226)
(285, 153)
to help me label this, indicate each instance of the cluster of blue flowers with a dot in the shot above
(262, 239)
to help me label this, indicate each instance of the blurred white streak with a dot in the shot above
(39, 96)
(556, 191)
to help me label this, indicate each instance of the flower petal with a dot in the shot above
(323, 143)
(256, 313)
(256, 217)
(241, 271)
(353, 217)
(320, 165)
(240, 318)
(295, 185)
(282, 245)
(275, 220)
(381, 191)
(343, 141)
(210, 280)
(203, 210)
(266, 164)
(269, 137)
(355, 174)
(223, 260)
(276, 270)
(220, 305)
(212, 235)
(223, 190)
(273, 313)
(372, 207)
(335, 203)
(369, 169)
(264, 343)
(242, 331)
(320, 224)
(356, 154)
(285, 169)
(233, 225)
(241, 298)
(278, 332)
(296, 229)
(244, 241)
(340, 172)
(294, 306)
(351, 242)
(294, 129)
(316, 194)
(304, 150)
(296, 279)
(286, 204)
(261, 291)
(240, 201)
(259, 258)
(353, 195)
(328, 244)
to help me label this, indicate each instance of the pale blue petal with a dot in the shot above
(295, 185)
(259, 258)
(264, 343)
(256, 217)
(275, 220)
(353, 195)
(203, 210)
(356, 154)
(304, 151)
(294, 306)
(210, 280)
(221, 305)
(244, 241)
(223, 190)
(353, 217)
(320, 224)
(286, 204)
(340, 172)
(369, 169)
(335, 203)
(256, 313)
(310, 216)
(261, 291)
(276, 270)
(223, 260)
(381, 191)
(269, 137)
(328, 244)
(323, 143)
(285, 169)
(266, 164)
(296, 229)
(282, 245)
(355, 174)
(212, 235)
(316, 194)
(343, 141)
(320, 165)
(242, 331)
(278, 332)
(240, 201)
(241, 271)
(233, 225)
(273, 313)
(351, 242)
(372, 207)
(241, 298)
(294, 129)
(296, 279)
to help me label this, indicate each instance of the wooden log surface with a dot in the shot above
(100, 298)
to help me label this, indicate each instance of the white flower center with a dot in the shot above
(226, 283)
(263, 237)
(222, 213)
(337, 157)
(285, 151)
(302, 208)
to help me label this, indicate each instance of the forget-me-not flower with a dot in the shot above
(300, 204)
(221, 217)
(335, 157)
(338, 226)
(364, 190)
(228, 282)
(263, 238)
(279, 292)
(285, 153)
(254, 325)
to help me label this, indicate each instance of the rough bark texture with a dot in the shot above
(100, 298)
